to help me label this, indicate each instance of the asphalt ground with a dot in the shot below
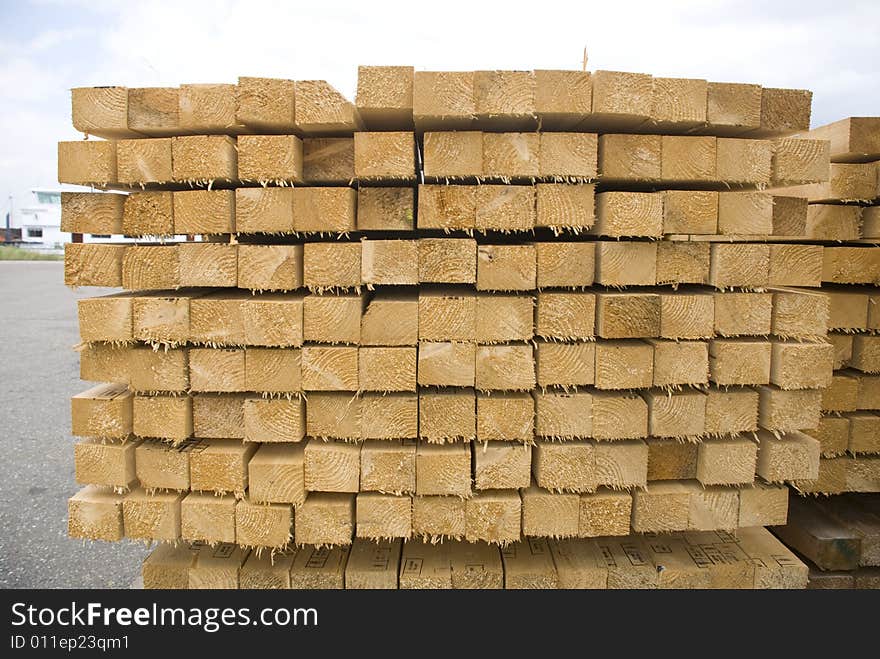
(39, 372)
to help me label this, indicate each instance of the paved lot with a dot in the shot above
(39, 371)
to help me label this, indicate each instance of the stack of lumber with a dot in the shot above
(715, 559)
(838, 538)
(492, 306)
(846, 209)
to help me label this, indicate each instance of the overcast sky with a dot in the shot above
(49, 46)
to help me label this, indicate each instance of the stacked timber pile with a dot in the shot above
(838, 538)
(490, 307)
(846, 209)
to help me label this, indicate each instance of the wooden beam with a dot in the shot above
(820, 537)
(443, 99)
(739, 361)
(333, 415)
(270, 267)
(679, 362)
(332, 466)
(801, 365)
(388, 466)
(727, 461)
(622, 464)
(321, 110)
(439, 517)
(385, 156)
(390, 319)
(739, 265)
(385, 97)
(443, 469)
(688, 158)
(563, 99)
(389, 262)
(105, 410)
(104, 362)
(95, 513)
(785, 111)
(447, 207)
(745, 213)
(686, 315)
(671, 459)
(270, 158)
(387, 369)
(425, 565)
(505, 417)
(663, 507)
(276, 474)
(604, 513)
(620, 100)
(676, 414)
(447, 415)
(503, 318)
(101, 111)
(217, 567)
(854, 139)
(386, 209)
(493, 516)
(373, 565)
(152, 516)
(735, 107)
(207, 264)
(619, 415)
(266, 104)
(219, 415)
(502, 466)
(158, 370)
(91, 212)
(324, 209)
(326, 519)
(105, 462)
(782, 410)
(678, 104)
(384, 516)
(511, 155)
(163, 417)
(148, 213)
(208, 109)
(731, 410)
(790, 457)
(201, 159)
(626, 263)
(565, 364)
(206, 517)
(800, 162)
(319, 568)
(146, 267)
(87, 162)
(264, 210)
(447, 314)
(447, 260)
(328, 160)
(626, 315)
(220, 466)
(740, 313)
(453, 155)
(620, 214)
(168, 566)
(263, 525)
(446, 364)
(744, 162)
(389, 415)
(566, 316)
(154, 110)
(549, 514)
(563, 415)
(93, 264)
(139, 162)
(624, 364)
(505, 368)
(332, 318)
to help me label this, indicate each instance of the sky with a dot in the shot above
(50, 46)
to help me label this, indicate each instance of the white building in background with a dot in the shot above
(40, 220)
